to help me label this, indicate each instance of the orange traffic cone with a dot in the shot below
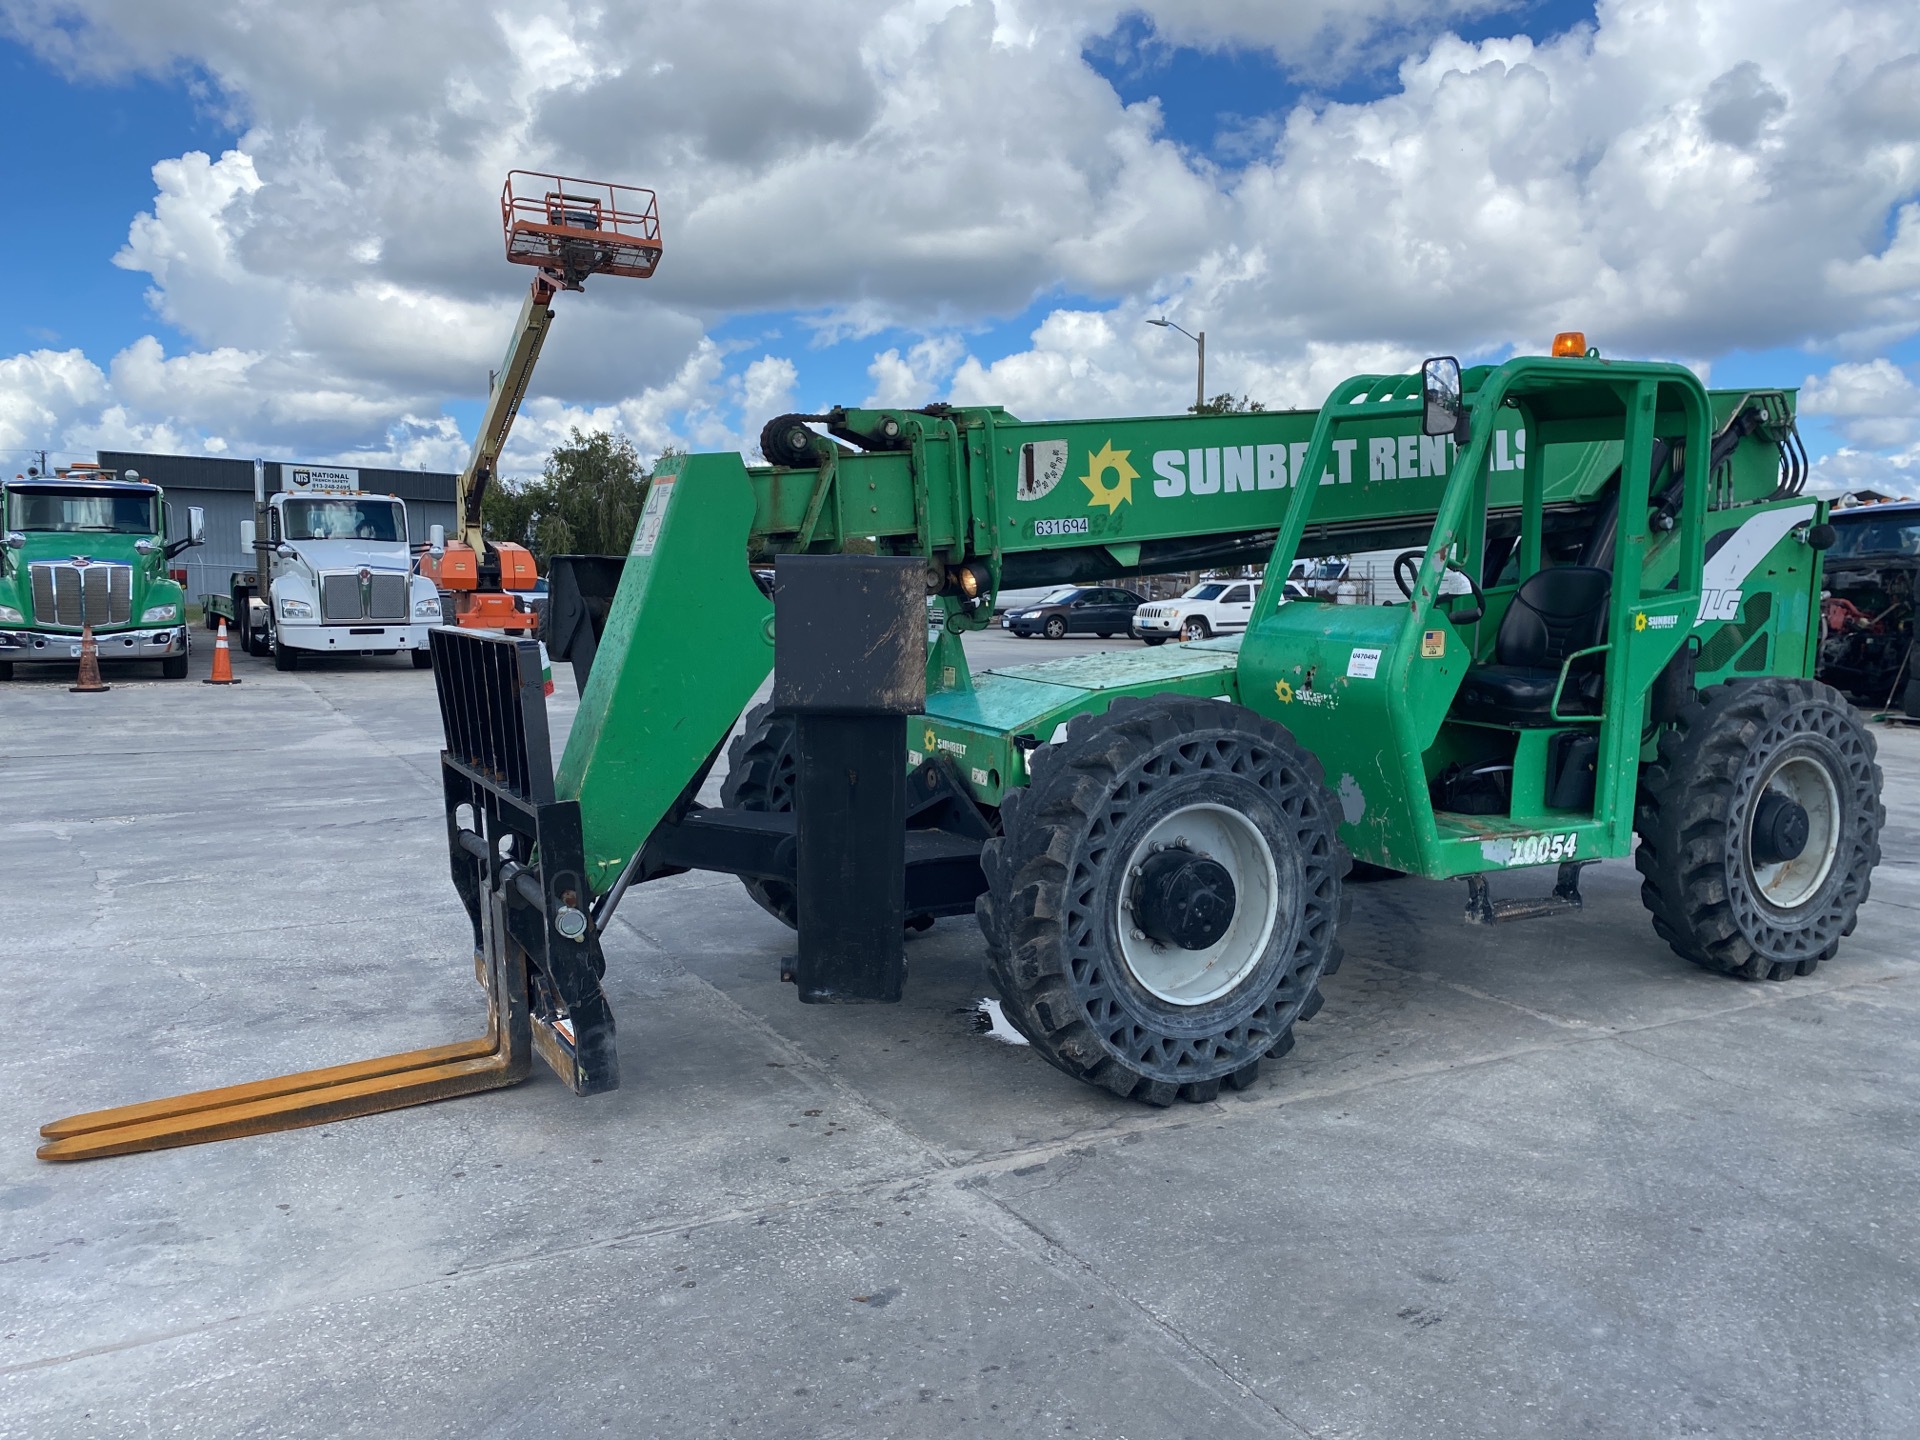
(222, 660)
(90, 681)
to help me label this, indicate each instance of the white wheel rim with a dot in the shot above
(1806, 783)
(1194, 977)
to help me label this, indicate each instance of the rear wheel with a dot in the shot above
(1153, 639)
(760, 776)
(1164, 898)
(1195, 627)
(1760, 827)
(1056, 627)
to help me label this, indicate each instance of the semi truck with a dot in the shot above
(89, 547)
(342, 577)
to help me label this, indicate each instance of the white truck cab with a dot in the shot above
(344, 579)
(1213, 607)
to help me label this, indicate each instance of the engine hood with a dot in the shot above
(353, 554)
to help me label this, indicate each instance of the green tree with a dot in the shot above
(587, 500)
(1229, 404)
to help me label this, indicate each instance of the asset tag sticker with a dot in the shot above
(1433, 644)
(1071, 525)
(651, 518)
(1363, 664)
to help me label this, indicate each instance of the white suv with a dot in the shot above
(1213, 607)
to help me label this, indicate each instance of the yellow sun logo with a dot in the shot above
(1283, 691)
(1640, 621)
(929, 741)
(1120, 492)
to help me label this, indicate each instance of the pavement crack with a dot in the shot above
(1030, 1235)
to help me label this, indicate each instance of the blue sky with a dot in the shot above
(1064, 333)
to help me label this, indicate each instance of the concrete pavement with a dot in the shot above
(1545, 1180)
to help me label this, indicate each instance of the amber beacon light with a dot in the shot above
(1570, 343)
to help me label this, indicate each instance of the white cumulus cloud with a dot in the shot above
(1682, 180)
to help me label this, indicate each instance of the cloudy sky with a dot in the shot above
(246, 228)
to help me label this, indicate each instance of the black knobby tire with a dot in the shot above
(1056, 882)
(786, 440)
(1709, 898)
(1196, 628)
(760, 776)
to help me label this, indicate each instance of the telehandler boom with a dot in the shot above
(1155, 842)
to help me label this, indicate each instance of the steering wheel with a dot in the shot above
(1406, 571)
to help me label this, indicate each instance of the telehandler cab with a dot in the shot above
(1155, 841)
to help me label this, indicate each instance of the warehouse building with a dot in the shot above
(224, 489)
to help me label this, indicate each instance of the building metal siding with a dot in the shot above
(224, 489)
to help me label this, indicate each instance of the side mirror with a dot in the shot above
(1440, 388)
(1821, 537)
(196, 525)
(249, 536)
(436, 540)
(16, 541)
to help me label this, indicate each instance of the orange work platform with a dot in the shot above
(576, 228)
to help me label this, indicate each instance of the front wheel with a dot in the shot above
(423, 659)
(1760, 827)
(1056, 628)
(285, 657)
(174, 667)
(1165, 897)
(1195, 627)
(761, 767)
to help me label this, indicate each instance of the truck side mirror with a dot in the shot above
(1440, 388)
(437, 540)
(248, 536)
(196, 525)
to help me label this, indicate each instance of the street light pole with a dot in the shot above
(1200, 386)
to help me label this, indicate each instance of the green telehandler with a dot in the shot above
(1156, 841)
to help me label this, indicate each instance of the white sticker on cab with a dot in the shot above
(1363, 664)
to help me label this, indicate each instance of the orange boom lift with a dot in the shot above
(569, 229)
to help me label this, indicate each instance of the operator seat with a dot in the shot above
(1555, 613)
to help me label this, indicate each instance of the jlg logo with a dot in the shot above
(1718, 605)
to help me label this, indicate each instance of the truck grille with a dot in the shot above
(348, 595)
(67, 595)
